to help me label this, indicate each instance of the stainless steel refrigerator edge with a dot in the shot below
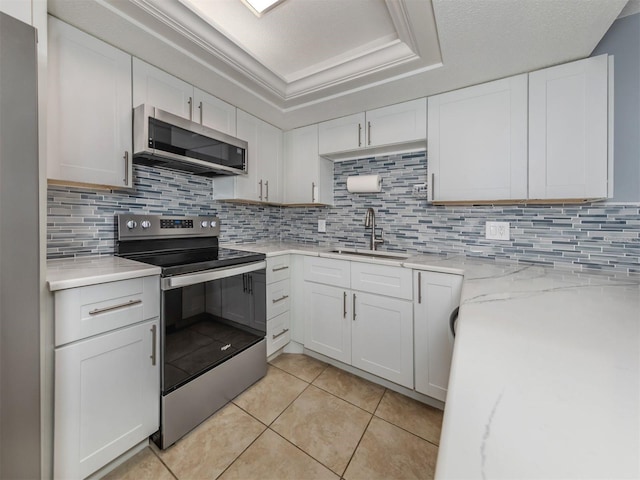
(20, 418)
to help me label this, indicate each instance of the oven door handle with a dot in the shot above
(178, 281)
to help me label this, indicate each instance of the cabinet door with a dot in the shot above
(477, 141)
(568, 128)
(342, 134)
(214, 113)
(20, 9)
(308, 178)
(400, 123)
(248, 186)
(162, 90)
(270, 162)
(327, 328)
(382, 333)
(89, 117)
(436, 296)
(107, 398)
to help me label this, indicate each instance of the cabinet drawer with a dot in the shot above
(278, 332)
(328, 271)
(278, 300)
(277, 268)
(85, 311)
(382, 279)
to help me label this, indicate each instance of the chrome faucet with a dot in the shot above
(370, 222)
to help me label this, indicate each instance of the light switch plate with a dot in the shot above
(322, 226)
(497, 231)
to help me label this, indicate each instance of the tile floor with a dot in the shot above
(303, 420)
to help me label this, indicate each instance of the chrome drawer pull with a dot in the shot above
(284, 297)
(114, 307)
(279, 268)
(153, 345)
(273, 337)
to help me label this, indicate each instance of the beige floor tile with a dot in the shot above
(269, 397)
(414, 416)
(324, 426)
(143, 466)
(302, 366)
(356, 390)
(272, 457)
(387, 451)
(205, 452)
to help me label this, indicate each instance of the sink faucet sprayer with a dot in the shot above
(370, 222)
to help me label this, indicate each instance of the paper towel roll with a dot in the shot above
(364, 184)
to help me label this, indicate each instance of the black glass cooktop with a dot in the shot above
(179, 262)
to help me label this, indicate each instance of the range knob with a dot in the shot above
(131, 224)
(204, 224)
(213, 224)
(145, 224)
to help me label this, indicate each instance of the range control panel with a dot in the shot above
(159, 226)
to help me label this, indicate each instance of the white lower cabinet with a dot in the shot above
(107, 394)
(382, 337)
(327, 328)
(106, 374)
(436, 296)
(278, 303)
(370, 331)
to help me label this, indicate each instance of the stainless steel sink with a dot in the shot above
(370, 254)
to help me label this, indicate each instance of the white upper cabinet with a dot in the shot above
(162, 90)
(308, 178)
(20, 9)
(342, 134)
(568, 130)
(396, 128)
(89, 109)
(214, 113)
(262, 183)
(477, 142)
(171, 94)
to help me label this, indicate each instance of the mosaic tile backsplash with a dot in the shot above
(593, 236)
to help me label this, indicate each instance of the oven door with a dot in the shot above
(209, 317)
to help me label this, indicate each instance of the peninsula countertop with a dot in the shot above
(545, 377)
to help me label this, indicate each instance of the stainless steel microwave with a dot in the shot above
(166, 140)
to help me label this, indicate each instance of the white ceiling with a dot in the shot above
(311, 60)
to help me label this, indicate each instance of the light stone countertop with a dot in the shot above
(65, 273)
(545, 378)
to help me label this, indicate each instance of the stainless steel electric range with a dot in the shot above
(213, 315)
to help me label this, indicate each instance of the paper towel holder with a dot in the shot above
(364, 184)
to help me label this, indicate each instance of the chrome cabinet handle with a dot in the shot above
(359, 134)
(98, 311)
(190, 102)
(313, 192)
(260, 196)
(276, 300)
(279, 268)
(126, 167)
(273, 337)
(368, 133)
(200, 107)
(354, 307)
(266, 186)
(153, 345)
(344, 305)
(433, 187)
(419, 287)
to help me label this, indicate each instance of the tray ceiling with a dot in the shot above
(310, 60)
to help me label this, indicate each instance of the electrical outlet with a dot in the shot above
(497, 231)
(420, 190)
(322, 226)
